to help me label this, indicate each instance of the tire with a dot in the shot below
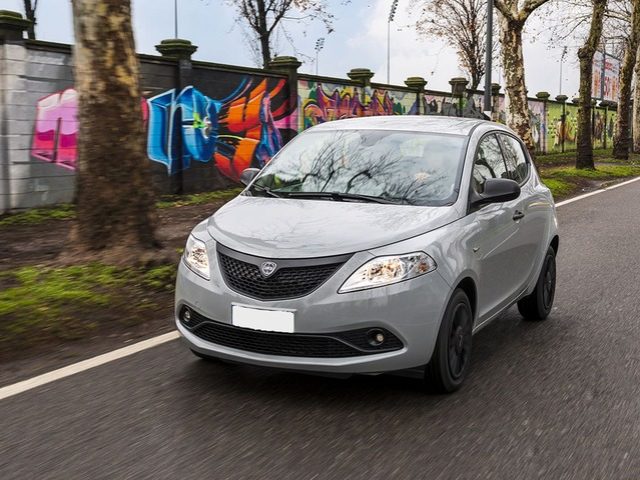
(449, 364)
(537, 306)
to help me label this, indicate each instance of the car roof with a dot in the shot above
(411, 123)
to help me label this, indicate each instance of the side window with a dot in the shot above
(515, 159)
(488, 163)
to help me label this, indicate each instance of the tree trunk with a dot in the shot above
(264, 34)
(476, 78)
(518, 117)
(584, 158)
(265, 47)
(30, 14)
(622, 133)
(115, 203)
(636, 107)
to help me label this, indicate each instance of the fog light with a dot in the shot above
(186, 315)
(375, 337)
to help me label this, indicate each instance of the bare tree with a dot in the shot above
(115, 204)
(622, 131)
(463, 24)
(30, 13)
(263, 17)
(514, 14)
(584, 158)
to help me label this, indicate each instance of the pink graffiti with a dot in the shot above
(56, 131)
(55, 137)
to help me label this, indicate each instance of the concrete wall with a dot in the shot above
(196, 141)
(205, 122)
(27, 76)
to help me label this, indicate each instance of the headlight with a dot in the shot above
(196, 258)
(387, 270)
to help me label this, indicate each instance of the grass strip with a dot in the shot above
(67, 211)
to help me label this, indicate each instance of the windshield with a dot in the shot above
(401, 167)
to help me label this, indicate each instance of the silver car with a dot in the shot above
(372, 245)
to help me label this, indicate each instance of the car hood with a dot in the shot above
(295, 228)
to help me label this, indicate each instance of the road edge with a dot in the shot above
(39, 380)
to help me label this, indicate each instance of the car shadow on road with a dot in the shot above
(497, 349)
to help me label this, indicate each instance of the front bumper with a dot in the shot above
(410, 310)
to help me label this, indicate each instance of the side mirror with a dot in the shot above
(496, 190)
(248, 174)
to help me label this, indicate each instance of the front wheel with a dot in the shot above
(451, 357)
(537, 306)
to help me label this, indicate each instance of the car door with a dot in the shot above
(531, 205)
(494, 240)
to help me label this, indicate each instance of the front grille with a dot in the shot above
(293, 277)
(350, 343)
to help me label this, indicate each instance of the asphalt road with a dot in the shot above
(554, 400)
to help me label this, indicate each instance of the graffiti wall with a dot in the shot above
(233, 132)
(442, 104)
(55, 132)
(322, 102)
(243, 128)
(603, 125)
(557, 134)
(202, 134)
(538, 124)
(391, 102)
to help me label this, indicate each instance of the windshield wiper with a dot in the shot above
(340, 197)
(266, 190)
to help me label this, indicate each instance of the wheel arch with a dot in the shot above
(468, 286)
(555, 243)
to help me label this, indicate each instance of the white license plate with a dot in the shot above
(258, 319)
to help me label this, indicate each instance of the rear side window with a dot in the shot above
(488, 163)
(515, 159)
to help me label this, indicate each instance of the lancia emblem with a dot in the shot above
(268, 268)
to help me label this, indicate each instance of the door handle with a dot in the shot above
(518, 215)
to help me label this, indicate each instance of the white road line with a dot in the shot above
(596, 192)
(69, 370)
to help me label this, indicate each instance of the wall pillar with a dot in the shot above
(613, 107)
(563, 119)
(544, 97)
(606, 105)
(458, 89)
(289, 66)
(12, 86)
(12, 26)
(363, 77)
(180, 50)
(495, 102)
(418, 84)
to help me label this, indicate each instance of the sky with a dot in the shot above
(359, 41)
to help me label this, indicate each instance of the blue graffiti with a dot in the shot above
(190, 118)
(191, 115)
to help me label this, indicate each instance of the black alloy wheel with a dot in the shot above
(537, 306)
(449, 364)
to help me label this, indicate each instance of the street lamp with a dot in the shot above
(562, 57)
(392, 14)
(319, 46)
(175, 17)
